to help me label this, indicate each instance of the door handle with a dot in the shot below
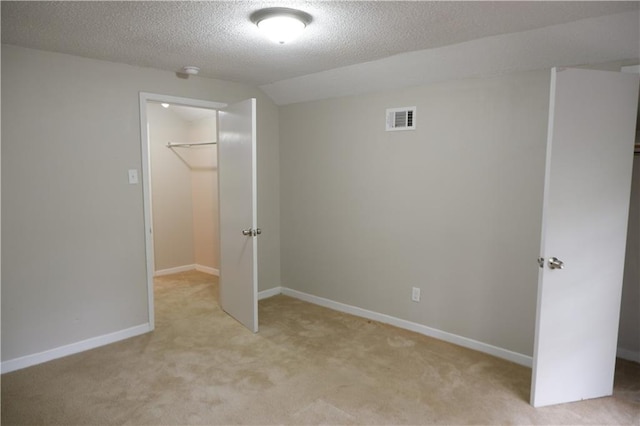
(249, 232)
(555, 263)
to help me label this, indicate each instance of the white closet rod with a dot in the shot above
(187, 145)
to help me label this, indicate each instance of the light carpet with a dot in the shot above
(307, 365)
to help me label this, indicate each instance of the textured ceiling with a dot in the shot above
(609, 41)
(219, 38)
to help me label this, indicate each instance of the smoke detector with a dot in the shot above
(190, 70)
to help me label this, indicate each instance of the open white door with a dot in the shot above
(238, 214)
(586, 200)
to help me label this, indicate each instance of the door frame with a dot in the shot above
(146, 179)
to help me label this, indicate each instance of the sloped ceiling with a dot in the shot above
(219, 38)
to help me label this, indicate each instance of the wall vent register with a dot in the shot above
(401, 119)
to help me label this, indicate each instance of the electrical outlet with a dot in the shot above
(415, 294)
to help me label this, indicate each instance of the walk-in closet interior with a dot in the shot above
(184, 188)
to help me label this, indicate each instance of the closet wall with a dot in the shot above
(629, 335)
(184, 191)
(204, 192)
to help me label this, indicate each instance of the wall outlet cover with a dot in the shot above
(415, 294)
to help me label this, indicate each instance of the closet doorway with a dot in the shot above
(184, 188)
(199, 215)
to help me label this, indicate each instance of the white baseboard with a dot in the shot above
(73, 348)
(628, 355)
(515, 357)
(207, 270)
(175, 270)
(265, 294)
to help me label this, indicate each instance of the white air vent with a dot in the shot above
(401, 118)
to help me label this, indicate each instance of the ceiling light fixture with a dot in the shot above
(165, 105)
(281, 24)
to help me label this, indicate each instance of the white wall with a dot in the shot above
(453, 207)
(73, 234)
(629, 334)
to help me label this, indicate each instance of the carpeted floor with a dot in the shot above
(307, 365)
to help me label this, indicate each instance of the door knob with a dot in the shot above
(247, 232)
(555, 263)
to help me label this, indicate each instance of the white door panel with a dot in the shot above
(237, 189)
(587, 187)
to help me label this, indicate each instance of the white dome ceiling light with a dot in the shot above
(281, 24)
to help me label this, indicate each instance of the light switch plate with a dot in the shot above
(133, 176)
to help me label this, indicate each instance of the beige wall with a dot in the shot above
(453, 207)
(172, 203)
(73, 233)
(204, 193)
